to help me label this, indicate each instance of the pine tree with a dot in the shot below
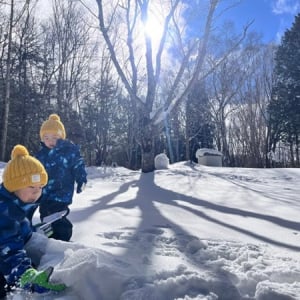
(285, 104)
(199, 128)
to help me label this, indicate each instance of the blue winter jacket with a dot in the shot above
(64, 166)
(15, 231)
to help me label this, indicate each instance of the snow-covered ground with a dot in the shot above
(186, 232)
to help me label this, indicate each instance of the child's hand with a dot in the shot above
(38, 281)
(80, 187)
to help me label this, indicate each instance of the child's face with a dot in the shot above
(50, 140)
(29, 194)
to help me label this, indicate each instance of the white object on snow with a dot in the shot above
(209, 157)
(161, 161)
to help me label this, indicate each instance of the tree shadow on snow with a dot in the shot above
(149, 195)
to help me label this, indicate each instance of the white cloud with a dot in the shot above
(286, 7)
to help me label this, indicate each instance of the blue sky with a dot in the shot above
(271, 17)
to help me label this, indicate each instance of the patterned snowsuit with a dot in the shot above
(64, 166)
(15, 232)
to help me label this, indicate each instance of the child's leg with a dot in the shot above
(50, 207)
(62, 229)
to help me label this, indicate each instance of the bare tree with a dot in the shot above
(13, 47)
(240, 92)
(6, 103)
(226, 82)
(66, 52)
(135, 68)
(101, 108)
(252, 128)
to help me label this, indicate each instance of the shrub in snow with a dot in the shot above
(161, 161)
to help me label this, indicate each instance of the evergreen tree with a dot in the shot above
(285, 104)
(199, 128)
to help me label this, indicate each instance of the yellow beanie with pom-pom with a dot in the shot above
(23, 171)
(54, 126)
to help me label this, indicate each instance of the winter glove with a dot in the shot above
(38, 281)
(80, 186)
(44, 228)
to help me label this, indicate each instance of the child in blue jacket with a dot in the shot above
(65, 166)
(23, 179)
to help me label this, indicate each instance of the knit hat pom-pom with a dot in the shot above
(19, 150)
(54, 117)
(53, 126)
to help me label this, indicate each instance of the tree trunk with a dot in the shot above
(7, 87)
(147, 160)
(297, 152)
(147, 149)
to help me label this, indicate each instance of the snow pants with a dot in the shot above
(62, 228)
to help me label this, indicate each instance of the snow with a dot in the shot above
(186, 232)
(207, 151)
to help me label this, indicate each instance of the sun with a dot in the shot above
(153, 29)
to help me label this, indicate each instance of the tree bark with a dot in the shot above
(7, 85)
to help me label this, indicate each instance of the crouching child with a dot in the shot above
(23, 179)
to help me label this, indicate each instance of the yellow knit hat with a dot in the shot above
(23, 170)
(54, 126)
